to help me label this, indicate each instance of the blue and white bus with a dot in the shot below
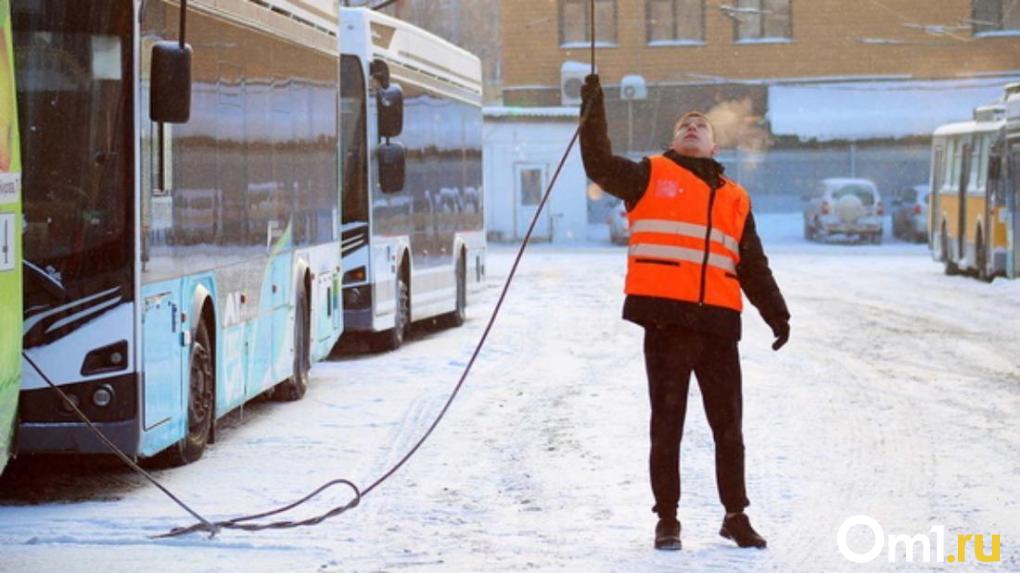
(413, 223)
(174, 270)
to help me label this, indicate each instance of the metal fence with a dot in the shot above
(776, 179)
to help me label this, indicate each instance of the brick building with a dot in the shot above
(727, 49)
(850, 80)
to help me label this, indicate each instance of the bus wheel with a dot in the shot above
(202, 381)
(294, 388)
(393, 338)
(459, 314)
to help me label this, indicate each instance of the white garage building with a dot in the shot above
(522, 148)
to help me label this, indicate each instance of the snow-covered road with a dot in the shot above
(896, 398)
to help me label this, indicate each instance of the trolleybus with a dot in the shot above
(10, 242)
(1012, 188)
(182, 251)
(413, 233)
(973, 207)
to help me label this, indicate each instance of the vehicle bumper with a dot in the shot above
(62, 437)
(358, 320)
(854, 229)
(358, 307)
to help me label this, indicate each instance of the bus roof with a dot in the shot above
(291, 19)
(321, 13)
(1013, 111)
(967, 127)
(370, 34)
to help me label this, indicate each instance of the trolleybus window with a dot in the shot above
(352, 142)
(73, 62)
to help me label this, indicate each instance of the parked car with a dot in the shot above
(910, 214)
(616, 218)
(844, 207)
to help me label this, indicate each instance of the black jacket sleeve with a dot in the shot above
(756, 277)
(616, 175)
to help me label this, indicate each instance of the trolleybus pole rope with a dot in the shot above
(235, 523)
(206, 525)
(238, 522)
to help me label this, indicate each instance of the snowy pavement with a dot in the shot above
(896, 398)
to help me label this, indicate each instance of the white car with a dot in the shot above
(844, 207)
(910, 214)
(619, 228)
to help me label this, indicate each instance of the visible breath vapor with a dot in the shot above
(736, 126)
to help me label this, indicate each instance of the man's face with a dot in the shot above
(694, 138)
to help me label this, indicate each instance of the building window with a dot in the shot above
(994, 16)
(675, 21)
(767, 20)
(575, 23)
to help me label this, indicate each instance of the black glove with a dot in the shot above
(781, 330)
(591, 91)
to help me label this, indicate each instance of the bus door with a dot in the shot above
(280, 230)
(934, 194)
(961, 211)
(529, 184)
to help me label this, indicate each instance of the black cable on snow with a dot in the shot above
(239, 523)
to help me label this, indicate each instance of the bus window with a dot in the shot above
(938, 171)
(974, 179)
(353, 139)
(74, 96)
(953, 164)
(982, 170)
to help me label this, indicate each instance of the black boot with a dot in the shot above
(738, 528)
(667, 534)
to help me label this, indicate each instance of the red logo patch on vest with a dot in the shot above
(667, 189)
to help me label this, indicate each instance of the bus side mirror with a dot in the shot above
(170, 97)
(392, 160)
(391, 110)
(380, 72)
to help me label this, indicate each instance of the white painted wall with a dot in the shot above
(511, 142)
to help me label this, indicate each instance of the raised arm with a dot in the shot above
(616, 175)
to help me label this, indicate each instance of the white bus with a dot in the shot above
(175, 266)
(413, 247)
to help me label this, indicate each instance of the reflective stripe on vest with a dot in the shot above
(686, 230)
(684, 254)
(678, 250)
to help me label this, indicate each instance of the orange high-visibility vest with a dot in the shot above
(678, 249)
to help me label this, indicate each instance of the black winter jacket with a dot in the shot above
(628, 180)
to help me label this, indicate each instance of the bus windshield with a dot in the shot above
(75, 109)
(352, 148)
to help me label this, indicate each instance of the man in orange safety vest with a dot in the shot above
(693, 251)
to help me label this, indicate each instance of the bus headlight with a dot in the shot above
(356, 297)
(73, 400)
(103, 396)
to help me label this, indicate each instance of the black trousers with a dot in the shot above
(671, 354)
